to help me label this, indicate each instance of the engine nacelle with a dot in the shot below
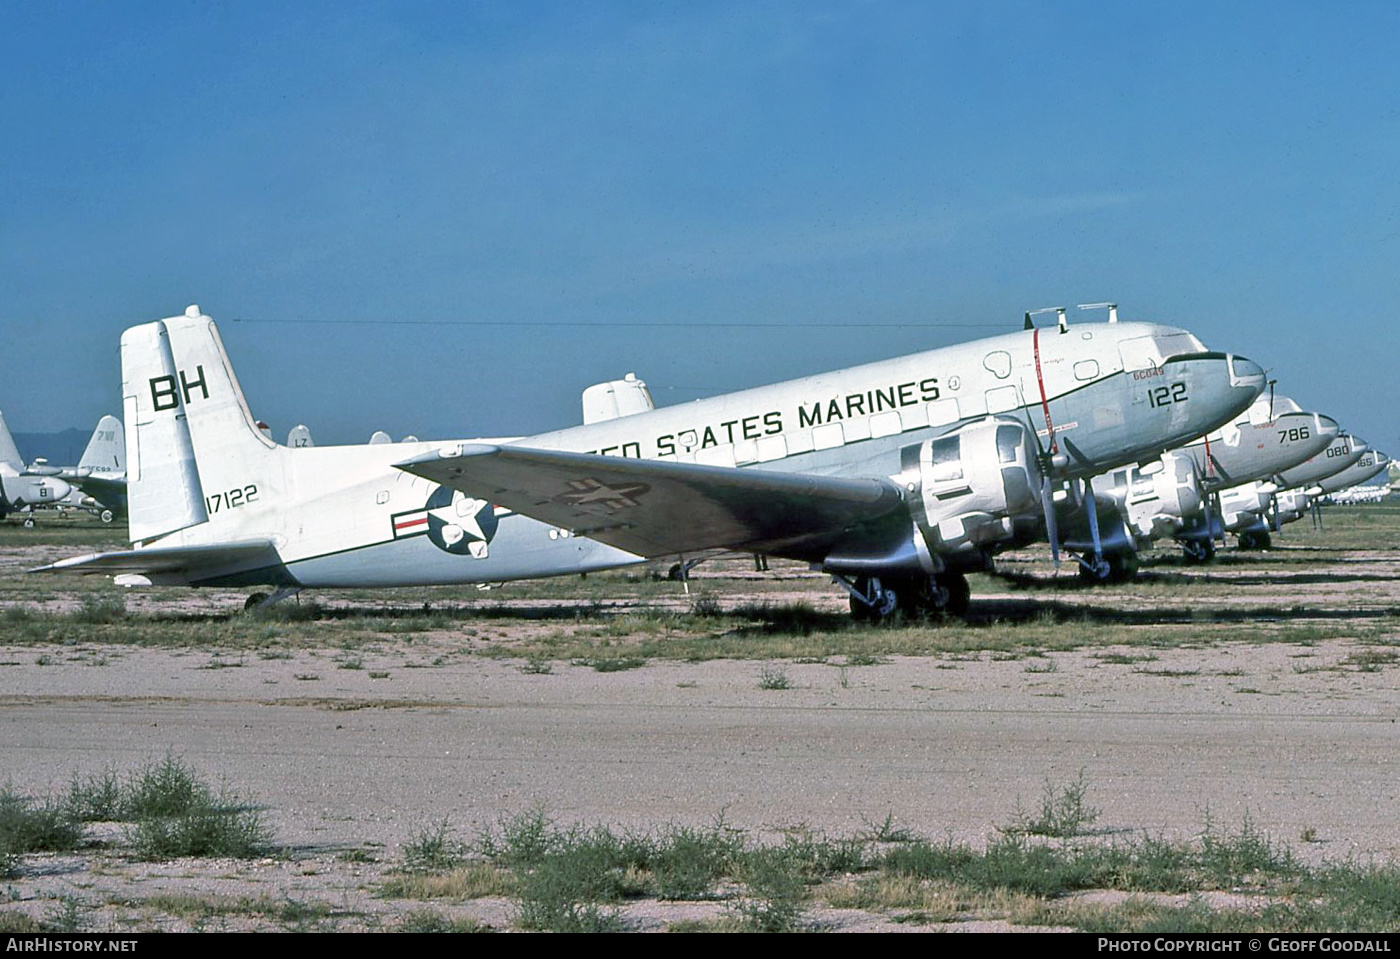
(1243, 507)
(973, 485)
(26, 490)
(1290, 505)
(1155, 499)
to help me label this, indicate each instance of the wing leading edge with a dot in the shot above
(660, 508)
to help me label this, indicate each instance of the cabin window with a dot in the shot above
(887, 423)
(771, 448)
(856, 429)
(828, 437)
(943, 412)
(716, 455)
(799, 442)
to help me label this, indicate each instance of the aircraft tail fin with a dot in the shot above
(299, 437)
(195, 453)
(106, 451)
(9, 452)
(163, 491)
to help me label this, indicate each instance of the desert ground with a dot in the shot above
(1255, 696)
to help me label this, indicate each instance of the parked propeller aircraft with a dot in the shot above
(1337, 456)
(895, 476)
(1371, 464)
(1253, 511)
(100, 476)
(1323, 474)
(97, 484)
(1189, 493)
(1355, 495)
(214, 501)
(22, 489)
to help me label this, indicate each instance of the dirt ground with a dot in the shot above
(349, 763)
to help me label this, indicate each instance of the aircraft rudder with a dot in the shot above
(9, 452)
(237, 463)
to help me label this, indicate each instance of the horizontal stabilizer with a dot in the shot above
(659, 508)
(188, 562)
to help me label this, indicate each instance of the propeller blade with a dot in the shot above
(1092, 507)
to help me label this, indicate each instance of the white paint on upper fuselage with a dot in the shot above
(935, 389)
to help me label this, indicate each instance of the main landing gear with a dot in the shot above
(1117, 566)
(1197, 551)
(876, 599)
(265, 600)
(1259, 539)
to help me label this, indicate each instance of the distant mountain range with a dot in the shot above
(64, 448)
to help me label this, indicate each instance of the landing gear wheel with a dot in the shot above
(254, 601)
(106, 516)
(1197, 551)
(943, 593)
(886, 599)
(1120, 566)
(1123, 566)
(1256, 540)
(1096, 574)
(29, 522)
(949, 593)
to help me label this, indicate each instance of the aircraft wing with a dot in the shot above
(191, 562)
(660, 508)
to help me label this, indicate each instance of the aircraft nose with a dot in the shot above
(1326, 426)
(1246, 374)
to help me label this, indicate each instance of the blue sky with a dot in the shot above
(447, 219)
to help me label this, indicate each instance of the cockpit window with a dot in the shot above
(1176, 344)
(1147, 352)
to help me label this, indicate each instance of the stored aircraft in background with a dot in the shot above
(20, 489)
(1337, 456)
(1294, 503)
(896, 477)
(100, 476)
(1199, 491)
(1371, 464)
(97, 484)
